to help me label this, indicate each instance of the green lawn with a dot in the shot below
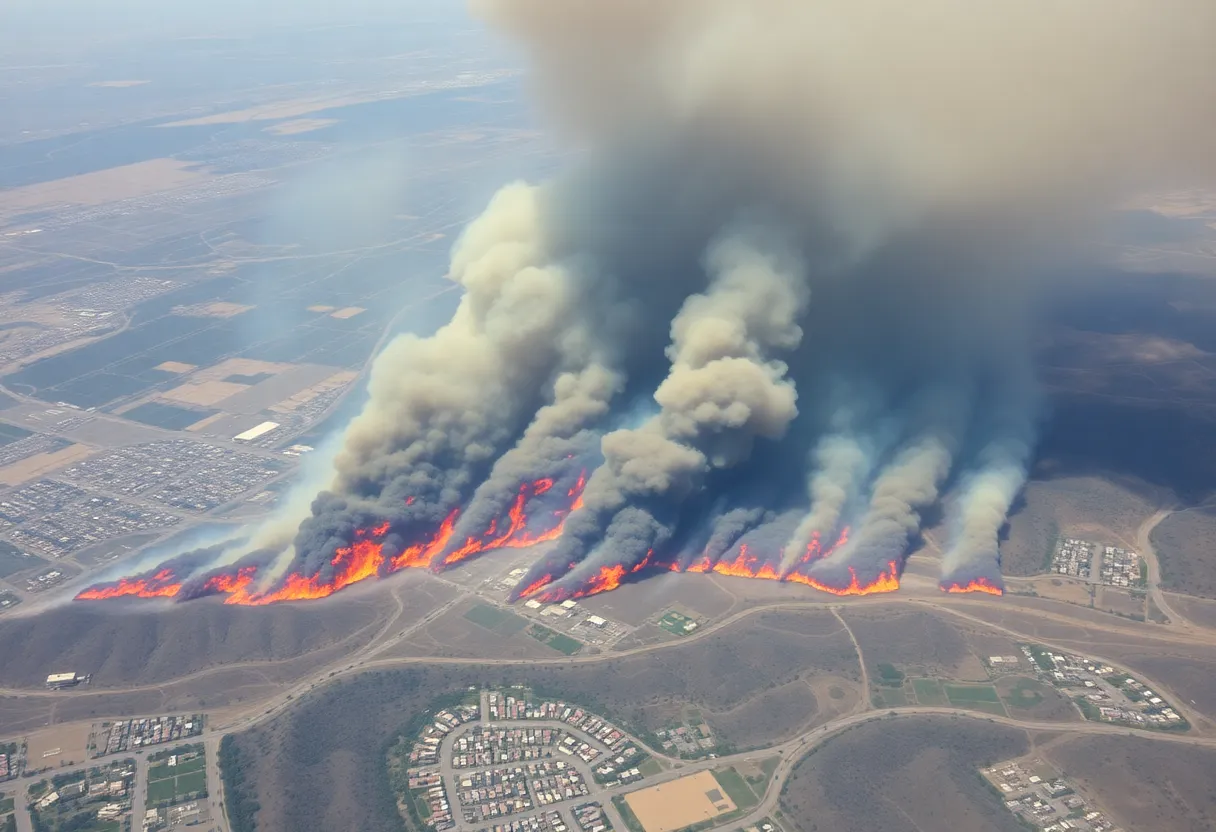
(195, 781)
(498, 620)
(890, 698)
(161, 771)
(558, 641)
(1023, 694)
(627, 814)
(161, 791)
(964, 694)
(674, 623)
(929, 692)
(976, 697)
(889, 675)
(650, 768)
(736, 788)
(6, 805)
(176, 786)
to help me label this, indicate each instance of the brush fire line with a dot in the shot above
(756, 312)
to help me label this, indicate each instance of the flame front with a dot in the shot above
(363, 559)
(163, 584)
(980, 584)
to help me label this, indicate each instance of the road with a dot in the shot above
(1144, 544)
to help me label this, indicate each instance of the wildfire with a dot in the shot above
(363, 559)
(886, 581)
(421, 554)
(229, 584)
(746, 565)
(163, 584)
(980, 584)
(536, 586)
(515, 536)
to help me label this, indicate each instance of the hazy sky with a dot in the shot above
(29, 28)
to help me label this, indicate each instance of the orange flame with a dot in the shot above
(606, 580)
(980, 584)
(421, 554)
(515, 537)
(536, 586)
(230, 584)
(886, 581)
(163, 584)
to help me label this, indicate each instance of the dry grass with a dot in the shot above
(38, 465)
(337, 380)
(58, 746)
(277, 110)
(1062, 589)
(203, 392)
(299, 125)
(215, 309)
(905, 775)
(100, 187)
(670, 806)
(1143, 784)
(1185, 543)
(1120, 601)
(175, 367)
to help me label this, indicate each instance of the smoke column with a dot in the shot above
(922, 171)
(989, 488)
(724, 389)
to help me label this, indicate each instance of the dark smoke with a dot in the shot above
(807, 231)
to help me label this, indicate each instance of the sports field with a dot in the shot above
(680, 803)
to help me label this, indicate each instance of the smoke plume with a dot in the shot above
(766, 196)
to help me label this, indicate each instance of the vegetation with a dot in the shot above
(7, 804)
(736, 788)
(627, 814)
(495, 619)
(1024, 695)
(1041, 658)
(1088, 709)
(10, 824)
(929, 692)
(558, 641)
(890, 675)
(239, 796)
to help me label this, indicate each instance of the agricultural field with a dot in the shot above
(177, 775)
(976, 697)
(558, 641)
(495, 619)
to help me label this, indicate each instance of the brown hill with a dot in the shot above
(124, 645)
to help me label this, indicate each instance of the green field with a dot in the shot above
(977, 697)
(1023, 694)
(498, 620)
(889, 675)
(6, 805)
(559, 642)
(650, 767)
(759, 784)
(171, 784)
(627, 815)
(677, 623)
(929, 693)
(736, 788)
(889, 698)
